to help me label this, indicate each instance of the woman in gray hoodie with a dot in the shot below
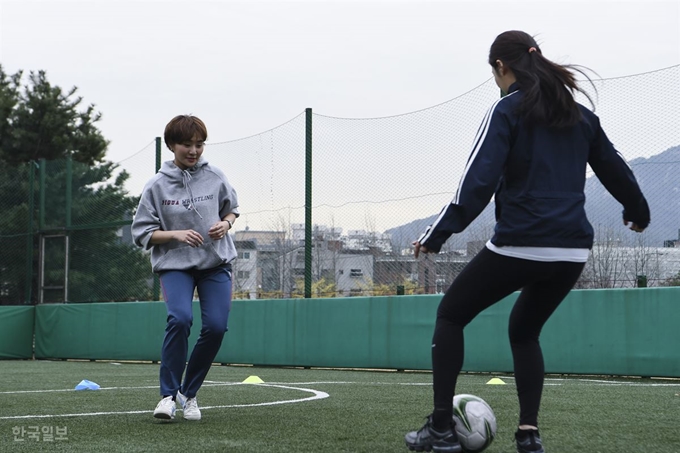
(183, 217)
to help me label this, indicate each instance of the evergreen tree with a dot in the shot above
(42, 125)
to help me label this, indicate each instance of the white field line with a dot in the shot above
(548, 381)
(14, 392)
(316, 395)
(291, 386)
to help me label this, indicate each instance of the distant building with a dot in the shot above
(672, 243)
(272, 263)
(362, 240)
(354, 273)
(433, 274)
(264, 238)
(246, 275)
(257, 266)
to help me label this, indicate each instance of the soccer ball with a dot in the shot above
(475, 422)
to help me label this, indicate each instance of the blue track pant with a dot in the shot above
(214, 293)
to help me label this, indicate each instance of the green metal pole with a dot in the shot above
(42, 177)
(69, 190)
(29, 237)
(158, 154)
(41, 206)
(156, 280)
(308, 203)
(69, 206)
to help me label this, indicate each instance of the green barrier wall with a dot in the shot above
(16, 332)
(617, 332)
(116, 331)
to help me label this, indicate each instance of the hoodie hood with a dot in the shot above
(172, 171)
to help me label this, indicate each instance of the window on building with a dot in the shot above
(298, 272)
(356, 273)
(243, 274)
(244, 255)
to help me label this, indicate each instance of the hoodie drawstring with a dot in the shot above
(186, 178)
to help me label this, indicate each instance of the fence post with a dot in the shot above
(158, 154)
(29, 236)
(67, 232)
(69, 191)
(42, 175)
(308, 203)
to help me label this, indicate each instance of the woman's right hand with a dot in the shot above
(418, 248)
(191, 237)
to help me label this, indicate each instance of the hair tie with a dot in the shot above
(532, 49)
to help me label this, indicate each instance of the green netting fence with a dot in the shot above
(336, 218)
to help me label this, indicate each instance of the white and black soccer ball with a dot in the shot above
(475, 422)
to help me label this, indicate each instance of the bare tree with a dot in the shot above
(238, 291)
(286, 248)
(324, 252)
(643, 262)
(605, 267)
(333, 245)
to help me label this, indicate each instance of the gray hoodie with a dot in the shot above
(176, 199)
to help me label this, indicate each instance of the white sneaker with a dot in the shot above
(189, 407)
(165, 409)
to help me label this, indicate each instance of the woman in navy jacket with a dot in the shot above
(531, 154)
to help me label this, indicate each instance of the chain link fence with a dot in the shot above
(375, 184)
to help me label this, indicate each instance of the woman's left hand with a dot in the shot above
(219, 230)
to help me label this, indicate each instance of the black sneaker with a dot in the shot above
(529, 441)
(429, 439)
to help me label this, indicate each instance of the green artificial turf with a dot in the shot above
(365, 411)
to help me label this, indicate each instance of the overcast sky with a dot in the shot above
(246, 67)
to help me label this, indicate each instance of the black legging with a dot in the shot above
(487, 279)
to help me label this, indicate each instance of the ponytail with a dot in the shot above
(548, 88)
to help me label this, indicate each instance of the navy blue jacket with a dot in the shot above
(538, 175)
